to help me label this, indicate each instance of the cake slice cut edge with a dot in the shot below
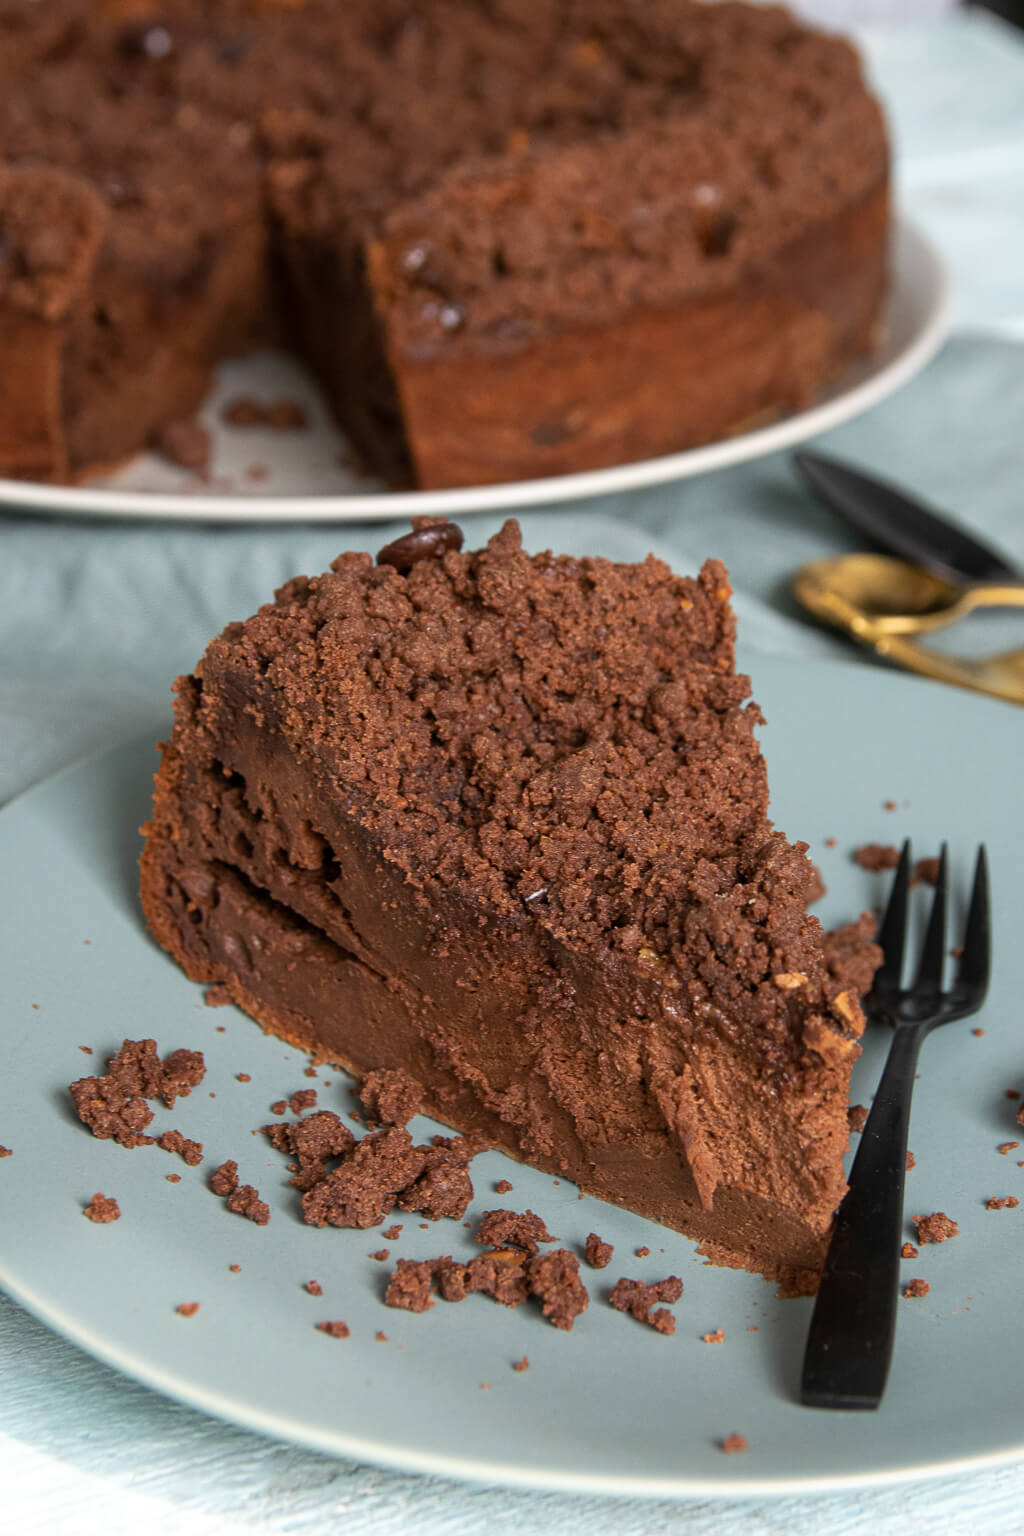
(500, 822)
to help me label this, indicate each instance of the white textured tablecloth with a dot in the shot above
(96, 618)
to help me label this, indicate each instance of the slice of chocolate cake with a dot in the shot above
(500, 821)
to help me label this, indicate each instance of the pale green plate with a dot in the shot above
(612, 1406)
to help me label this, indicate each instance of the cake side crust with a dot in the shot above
(656, 381)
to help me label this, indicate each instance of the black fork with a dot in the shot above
(849, 1345)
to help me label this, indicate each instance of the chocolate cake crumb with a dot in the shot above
(500, 1274)
(310, 1072)
(830, 842)
(364, 1188)
(452, 1280)
(513, 1229)
(717, 1337)
(6, 1152)
(916, 1288)
(217, 996)
(316, 1142)
(555, 1279)
(138, 1070)
(643, 1253)
(911, 1161)
(279, 1106)
(598, 1254)
(101, 1209)
(85, 1049)
(304, 1099)
(244, 412)
(410, 1285)
(444, 1187)
(314, 1287)
(381, 1337)
(186, 443)
(392, 1233)
(890, 805)
(224, 1180)
(187, 1308)
(1006, 1147)
(639, 1299)
(733, 1444)
(908, 1251)
(381, 1255)
(335, 1330)
(857, 1116)
(503, 1187)
(110, 1113)
(521, 1365)
(1002, 1203)
(243, 1077)
(876, 856)
(285, 416)
(936, 1228)
(977, 1033)
(927, 870)
(507, 1275)
(851, 957)
(189, 1151)
(245, 1201)
(236, 1269)
(389, 1097)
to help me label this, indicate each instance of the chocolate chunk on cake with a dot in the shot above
(499, 822)
(510, 240)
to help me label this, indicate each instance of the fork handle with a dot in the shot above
(849, 1344)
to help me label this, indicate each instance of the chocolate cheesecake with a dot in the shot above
(510, 240)
(500, 822)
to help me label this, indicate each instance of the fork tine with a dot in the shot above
(892, 930)
(933, 952)
(972, 975)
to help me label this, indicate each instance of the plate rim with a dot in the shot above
(911, 247)
(453, 1467)
(230, 1410)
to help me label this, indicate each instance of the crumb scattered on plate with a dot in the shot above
(597, 1253)
(334, 1330)
(102, 1209)
(936, 1228)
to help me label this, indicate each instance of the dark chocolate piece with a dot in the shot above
(427, 542)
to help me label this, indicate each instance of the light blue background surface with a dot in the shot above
(95, 618)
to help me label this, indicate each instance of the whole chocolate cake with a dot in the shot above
(512, 239)
(500, 822)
